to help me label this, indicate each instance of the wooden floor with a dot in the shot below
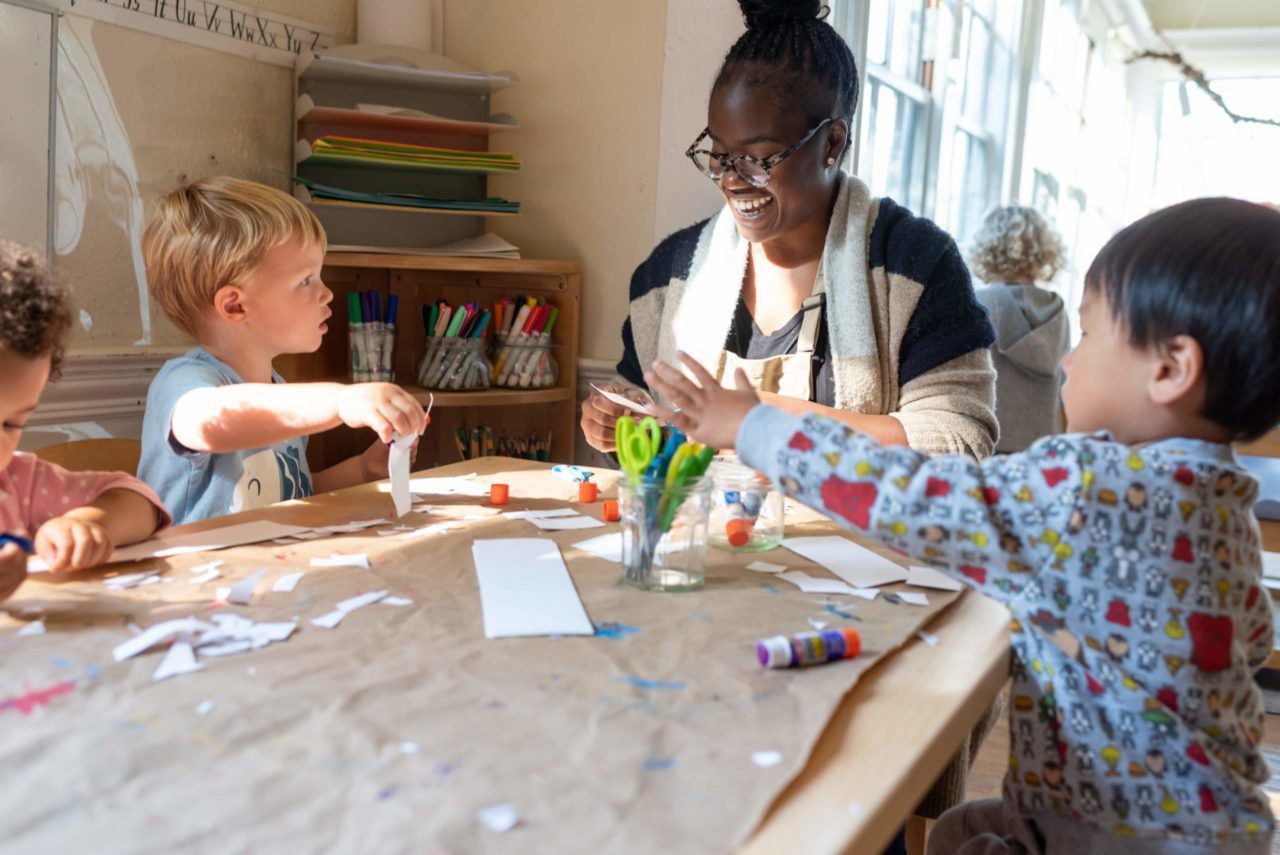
(989, 768)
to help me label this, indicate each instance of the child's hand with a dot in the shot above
(708, 413)
(13, 569)
(600, 415)
(68, 543)
(374, 461)
(385, 407)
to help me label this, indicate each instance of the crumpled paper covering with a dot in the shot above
(639, 739)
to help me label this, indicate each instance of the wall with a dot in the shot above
(587, 102)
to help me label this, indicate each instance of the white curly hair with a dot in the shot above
(1016, 244)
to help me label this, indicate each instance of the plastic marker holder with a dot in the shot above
(809, 648)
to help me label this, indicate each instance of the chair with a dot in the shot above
(120, 455)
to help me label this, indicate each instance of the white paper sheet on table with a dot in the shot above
(855, 564)
(573, 523)
(398, 467)
(463, 485)
(927, 577)
(337, 560)
(766, 567)
(621, 401)
(525, 589)
(913, 597)
(606, 546)
(812, 585)
(554, 512)
(205, 541)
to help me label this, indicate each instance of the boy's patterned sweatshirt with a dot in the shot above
(1132, 576)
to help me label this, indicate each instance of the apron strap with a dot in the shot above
(809, 325)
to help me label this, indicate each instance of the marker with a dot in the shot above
(809, 648)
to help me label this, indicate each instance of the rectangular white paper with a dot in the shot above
(358, 559)
(205, 541)
(855, 564)
(811, 585)
(554, 512)
(565, 523)
(766, 567)
(329, 620)
(457, 485)
(525, 589)
(288, 582)
(358, 602)
(398, 466)
(396, 601)
(606, 546)
(927, 577)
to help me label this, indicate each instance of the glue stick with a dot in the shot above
(808, 648)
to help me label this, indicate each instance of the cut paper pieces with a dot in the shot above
(180, 659)
(132, 580)
(809, 585)
(766, 567)
(606, 546)
(927, 577)
(348, 527)
(573, 523)
(36, 627)
(168, 545)
(241, 592)
(387, 532)
(288, 582)
(855, 564)
(207, 576)
(148, 638)
(525, 589)
(460, 485)
(915, 599)
(434, 528)
(554, 512)
(398, 467)
(204, 707)
(229, 633)
(346, 607)
(498, 818)
(818, 624)
(621, 401)
(766, 759)
(358, 559)
(928, 638)
(206, 567)
(396, 601)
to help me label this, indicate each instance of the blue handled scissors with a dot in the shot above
(638, 444)
(566, 472)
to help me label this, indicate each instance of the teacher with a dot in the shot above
(831, 300)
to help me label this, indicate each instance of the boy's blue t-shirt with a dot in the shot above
(195, 485)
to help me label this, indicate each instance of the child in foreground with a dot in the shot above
(77, 518)
(1127, 553)
(237, 265)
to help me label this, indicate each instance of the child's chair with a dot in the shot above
(118, 455)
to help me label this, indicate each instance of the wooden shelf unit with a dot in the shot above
(419, 279)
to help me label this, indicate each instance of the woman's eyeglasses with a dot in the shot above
(753, 170)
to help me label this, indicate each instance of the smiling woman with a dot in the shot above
(831, 300)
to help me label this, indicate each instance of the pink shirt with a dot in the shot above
(33, 491)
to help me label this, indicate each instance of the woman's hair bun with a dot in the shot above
(765, 14)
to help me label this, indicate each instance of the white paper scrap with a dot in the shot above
(329, 620)
(310, 534)
(498, 818)
(359, 602)
(621, 401)
(207, 576)
(914, 598)
(434, 528)
(928, 638)
(565, 523)
(287, 582)
(204, 707)
(227, 648)
(606, 546)
(855, 564)
(462, 485)
(398, 467)
(284, 541)
(553, 512)
(766, 759)
(168, 545)
(818, 624)
(156, 634)
(205, 567)
(410, 748)
(766, 567)
(810, 585)
(180, 659)
(928, 577)
(221, 592)
(132, 580)
(387, 532)
(525, 589)
(36, 627)
(241, 592)
(358, 559)
(396, 601)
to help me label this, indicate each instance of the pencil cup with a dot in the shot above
(747, 513)
(373, 350)
(664, 534)
(525, 362)
(456, 364)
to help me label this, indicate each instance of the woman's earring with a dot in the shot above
(831, 161)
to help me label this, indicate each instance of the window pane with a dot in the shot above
(895, 29)
(893, 145)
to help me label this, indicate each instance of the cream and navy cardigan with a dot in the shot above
(908, 337)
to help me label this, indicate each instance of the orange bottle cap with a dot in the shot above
(499, 494)
(588, 491)
(611, 510)
(738, 531)
(852, 642)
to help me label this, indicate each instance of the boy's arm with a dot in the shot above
(219, 419)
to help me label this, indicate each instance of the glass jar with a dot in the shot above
(525, 362)
(748, 513)
(373, 350)
(664, 534)
(456, 364)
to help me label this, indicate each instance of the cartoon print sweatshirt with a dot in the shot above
(1132, 576)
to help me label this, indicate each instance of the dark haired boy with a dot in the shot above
(1128, 554)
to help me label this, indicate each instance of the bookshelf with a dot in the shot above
(419, 279)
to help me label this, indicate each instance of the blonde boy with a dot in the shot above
(237, 265)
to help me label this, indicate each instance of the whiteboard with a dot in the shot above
(28, 41)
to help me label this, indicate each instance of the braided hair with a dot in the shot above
(788, 45)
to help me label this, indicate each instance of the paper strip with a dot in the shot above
(525, 589)
(633, 406)
(554, 512)
(565, 523)
(358, 559)
(928, 577)
(288, 582)
(203, 541)
(766, 567)
(855, 564)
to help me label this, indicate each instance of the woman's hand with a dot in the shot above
(600, 416)
(708, 413)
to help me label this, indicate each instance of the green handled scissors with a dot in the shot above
(638, 444)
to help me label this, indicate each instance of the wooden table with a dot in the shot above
(888, 739)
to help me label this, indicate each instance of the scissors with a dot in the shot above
(638, 444)
(23, 543)
(566, 472)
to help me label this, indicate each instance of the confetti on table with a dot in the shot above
(358, 559)
(287, 582)
(498, 818)
(766, 759)
(36, 627)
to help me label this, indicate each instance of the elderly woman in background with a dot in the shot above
(1013, 251)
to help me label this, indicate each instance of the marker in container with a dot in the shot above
(741, 510)
(808, 648)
